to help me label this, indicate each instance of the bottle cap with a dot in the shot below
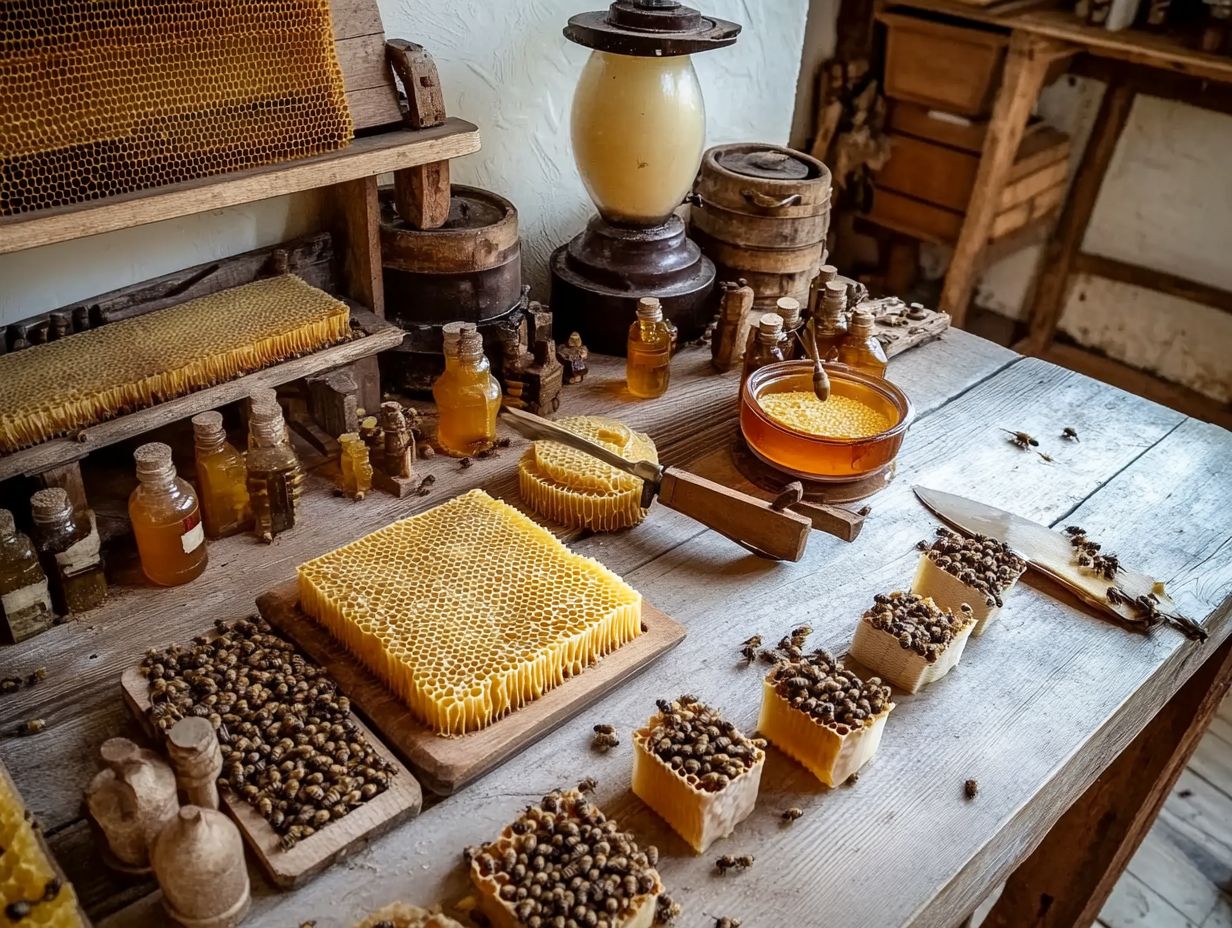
(470, 342)
(207, 425)
(50, 504)
(789, 309)
(451, 333)
(836, 288)
(262, 396)
(8, 526)
(153, 460)
(770, 324)
(862, 323)
(827, 272)
(649, 309)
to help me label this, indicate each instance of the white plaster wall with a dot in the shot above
(505, 66)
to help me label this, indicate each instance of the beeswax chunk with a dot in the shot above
(26, 874)
(911, 641)
(470, 610)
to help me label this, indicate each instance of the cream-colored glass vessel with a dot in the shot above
(638, 125)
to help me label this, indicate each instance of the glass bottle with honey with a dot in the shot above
(860, 349)
(275, 477)
(166, 519)
(467, 396)
(829, 323)
(69, 549)
(793, 321)
(767, 344)
(25, 600)
(222, 478)
(648, 360)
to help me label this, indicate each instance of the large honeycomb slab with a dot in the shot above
(29, 883)
(98, 99)
(54, 388)
(470, 610)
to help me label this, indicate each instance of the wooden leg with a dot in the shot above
(1026, 65)
(1055, 265)
(1068, 878)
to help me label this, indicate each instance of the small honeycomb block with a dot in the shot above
(706, 795)
(978, 571)
(572, 488)
(823, 715)
(909, 640)
(27, 877)
(525, 855)
(469, 610)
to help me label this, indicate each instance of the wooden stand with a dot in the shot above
(446, 764)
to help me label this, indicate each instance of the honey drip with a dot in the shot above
(467, 395)
(649, 351)
(166, 520)
(222, 479)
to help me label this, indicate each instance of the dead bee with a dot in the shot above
(971, 789)
(853, 779)
(1075, 530)
(504, 442)
(465, 463)
(726, 922)
(1022, 439)
(604, 741)
(31, 727)
(728, 862)
(790, 815)
(588, 785)
(921, 545)
(485, 453)
(604, 729)
(37, 676)
(17, 911)
(1107, 565)
(1070, 434)
(666, 911)
(748, 648)
(1047, 458)
(425, 485)
(10, 685)
(770, 656)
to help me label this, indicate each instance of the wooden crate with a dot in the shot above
(949, 67)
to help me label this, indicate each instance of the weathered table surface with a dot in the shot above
(1037, 709)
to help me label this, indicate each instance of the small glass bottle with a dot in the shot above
(69, 549)
(649, 352)
(767, 344)
(275, 477)
(860, 349)
(166, 519)
(817, 288)
(25, 600)
(793, 322)
(467, 396)
(829, 323)
(354, 466)
(222, 478)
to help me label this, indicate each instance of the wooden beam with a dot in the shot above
(1068, 878)
(1150, 279)
(1026, 64)
(1056, 262)
(357, 238)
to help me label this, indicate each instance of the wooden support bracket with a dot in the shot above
(421, 194)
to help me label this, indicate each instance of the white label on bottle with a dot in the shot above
(15, 601)
(194, 538)
(83, 555)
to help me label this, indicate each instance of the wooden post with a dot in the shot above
(1026, 65)
(193, 747)
(1057, 260)
(333, 398)
(421, 193)
(1068, 878)
(68, 478)
(357, 241)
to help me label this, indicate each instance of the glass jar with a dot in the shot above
(222, 478)
(467, 396)
(166, 519)
(25, 598)
(648, 360)
(70, 551)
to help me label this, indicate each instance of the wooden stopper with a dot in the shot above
(192, 744)
(130, 801)
(198, 859)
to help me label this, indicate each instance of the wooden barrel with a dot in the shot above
(762, 212)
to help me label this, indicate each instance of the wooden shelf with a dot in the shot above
(364, 157)
(378, 335)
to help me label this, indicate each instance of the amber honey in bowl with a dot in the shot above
(854, 434)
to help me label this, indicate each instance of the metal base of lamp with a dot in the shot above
(599, 276)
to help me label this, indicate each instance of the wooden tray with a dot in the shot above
(444, 764)
(335, 841)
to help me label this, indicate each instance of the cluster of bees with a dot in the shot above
(917, 622)
(1087, 554)
(290, 747)
(695, 741)
(982, 563)
(820, 686)
(562, 862)
(792, 641)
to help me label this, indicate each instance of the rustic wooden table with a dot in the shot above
(1039, 707)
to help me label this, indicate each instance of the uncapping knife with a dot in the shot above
(744, 519)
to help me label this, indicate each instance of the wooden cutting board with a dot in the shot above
(338, 839)
(444, 764)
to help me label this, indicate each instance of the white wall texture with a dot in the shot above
(506, 67)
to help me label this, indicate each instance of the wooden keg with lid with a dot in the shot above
(762, 212)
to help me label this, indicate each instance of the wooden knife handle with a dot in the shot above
(743, 518)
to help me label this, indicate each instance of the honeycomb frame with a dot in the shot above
(71, 383)
(473, 610)
(101, 99)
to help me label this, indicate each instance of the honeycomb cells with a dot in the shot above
(53, 388)
(469, 611)
(572, 488)
(98, 99)
(25, 872)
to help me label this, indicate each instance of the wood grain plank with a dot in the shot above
(1175, 868)
(364, 157)
(947, 853)
(1135, 905)
(355, 17)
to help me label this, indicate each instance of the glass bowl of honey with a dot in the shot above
(854, 434)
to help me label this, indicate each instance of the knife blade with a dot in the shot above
(748, 521)
(1141, 604)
